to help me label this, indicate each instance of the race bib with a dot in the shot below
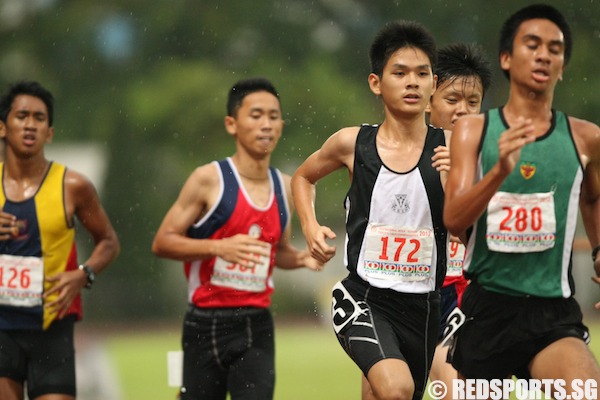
(456, 256)
(21, 281)
(521, 223)
(398, 253)
(235, 276)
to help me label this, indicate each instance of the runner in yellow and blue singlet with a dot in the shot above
(46, 240)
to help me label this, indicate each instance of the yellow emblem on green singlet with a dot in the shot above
(527, 170)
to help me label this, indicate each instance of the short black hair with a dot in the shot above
(463, 60)
(31, 88)
(535, 11)
(396, 35)
(243, 88)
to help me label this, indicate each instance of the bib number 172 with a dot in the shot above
(413, 248)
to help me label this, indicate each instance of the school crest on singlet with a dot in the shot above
(401, 205)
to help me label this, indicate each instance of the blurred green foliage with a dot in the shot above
(148, 80)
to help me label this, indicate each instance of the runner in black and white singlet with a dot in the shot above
(386, 312)
(395, 235)
(396, 254)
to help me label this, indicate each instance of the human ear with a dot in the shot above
(374, 82)
(230, 125)
(50, 135)
(505, 61)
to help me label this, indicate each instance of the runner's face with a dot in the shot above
(27, 127)
(258, 123)
(454, 98)
(538, 55)
(407, 82)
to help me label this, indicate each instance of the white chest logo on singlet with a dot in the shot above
(400, 204)
(254, 231)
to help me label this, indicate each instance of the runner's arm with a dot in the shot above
(82, 198)
(171, 240)
(287, 256)
(589, 201)
(467, 199)
(337, 152)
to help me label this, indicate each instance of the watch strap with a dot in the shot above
(91, 276)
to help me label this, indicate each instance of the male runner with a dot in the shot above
(40, 276)
(395, 248)
(231, 226)
(518, 174)
(464, 75)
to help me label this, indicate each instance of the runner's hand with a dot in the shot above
(310, 262)
(68, 284)
(242, 249)
(597, 277)
(316, 239)
(8, 227)
(512, 141)
(441, 158)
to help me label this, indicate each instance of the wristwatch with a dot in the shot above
(595, 252)
(91, 276)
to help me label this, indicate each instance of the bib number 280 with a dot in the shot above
(522, 219)
(521, 223)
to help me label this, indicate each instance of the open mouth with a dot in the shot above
(29, 140)
(265, 139)
(540, 75)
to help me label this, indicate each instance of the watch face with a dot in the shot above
(90, 275)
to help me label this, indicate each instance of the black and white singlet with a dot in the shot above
(395, 237)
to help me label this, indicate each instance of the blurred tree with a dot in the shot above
(148, 80)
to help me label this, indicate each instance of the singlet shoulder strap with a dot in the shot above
(280, 197)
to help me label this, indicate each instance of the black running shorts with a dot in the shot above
(503, 333)
(373, 324)
(43, 359)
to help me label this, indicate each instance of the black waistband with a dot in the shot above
(504, 298)
(233, 312)
(355, 280)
